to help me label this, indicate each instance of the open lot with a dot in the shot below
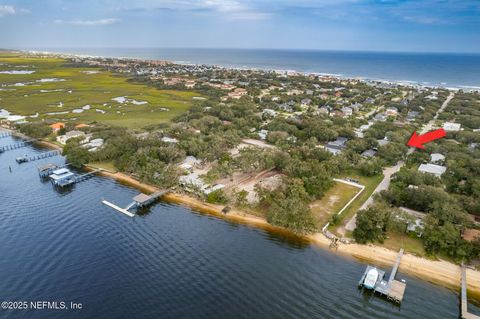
(333, 201)
(59, 91)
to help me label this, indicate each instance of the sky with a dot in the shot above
(359, 25)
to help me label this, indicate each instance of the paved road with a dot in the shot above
(389, 171)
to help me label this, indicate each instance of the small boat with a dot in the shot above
(371, 279)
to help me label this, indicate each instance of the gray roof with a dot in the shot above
(437, 170)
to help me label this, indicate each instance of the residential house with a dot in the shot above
(434, 169)
(167, 139)
(56, 127)
(62, 139)
(391, 111)
(347, 111)
(336, 146)
(437, 158)
(451, 127)
(369, 153)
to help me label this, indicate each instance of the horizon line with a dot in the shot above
(245, 49)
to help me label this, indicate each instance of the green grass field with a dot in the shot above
(333, 201)
(27, 94)
(370, 184)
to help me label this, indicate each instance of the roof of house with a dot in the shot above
(369, 153)
(57, 126)
(432, 169)
(435, 157)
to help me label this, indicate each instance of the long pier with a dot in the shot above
(15, 145)
(36, 157)
(392, 289)
(464, 314)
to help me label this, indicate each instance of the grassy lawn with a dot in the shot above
(370, 184)
(411, 245)
(30, 94)
(333, 201)
(104, 165)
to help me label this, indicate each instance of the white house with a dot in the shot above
(452, 127)
(436, 158)
(62, 139)
(434, 169)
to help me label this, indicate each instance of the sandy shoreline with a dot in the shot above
(439, 272)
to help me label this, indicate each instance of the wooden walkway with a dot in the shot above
(464, 314)
(83, 177)
(15, 145)
(4, 134)
(36, 157)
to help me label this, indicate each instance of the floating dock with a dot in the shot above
(141, 200)
(464, 314)
(391, 288)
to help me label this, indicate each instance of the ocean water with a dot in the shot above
(431, 69)
(171, 262)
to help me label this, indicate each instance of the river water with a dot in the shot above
(171, 262)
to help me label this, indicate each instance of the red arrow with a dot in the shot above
(418, 140)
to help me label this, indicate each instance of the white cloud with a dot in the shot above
(6, 10)
(105, 21)
(228, 9)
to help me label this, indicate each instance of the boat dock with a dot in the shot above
(63, 177)
(36, 157)
(464, 314)
(4, 134)
(391, 288)
(141, 200)
(47, 169)
(15, 145)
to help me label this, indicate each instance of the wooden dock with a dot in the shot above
(464, 314)
(15, 145)
(83, 177)
(392, 289)
(36, 157)
(4, 134)
(141, 200)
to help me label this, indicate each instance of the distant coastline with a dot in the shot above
(450, 71)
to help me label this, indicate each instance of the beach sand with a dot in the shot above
(439, 272)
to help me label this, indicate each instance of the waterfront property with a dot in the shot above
(373, 279)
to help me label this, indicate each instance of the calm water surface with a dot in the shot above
(171, 262)
(433, 69)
